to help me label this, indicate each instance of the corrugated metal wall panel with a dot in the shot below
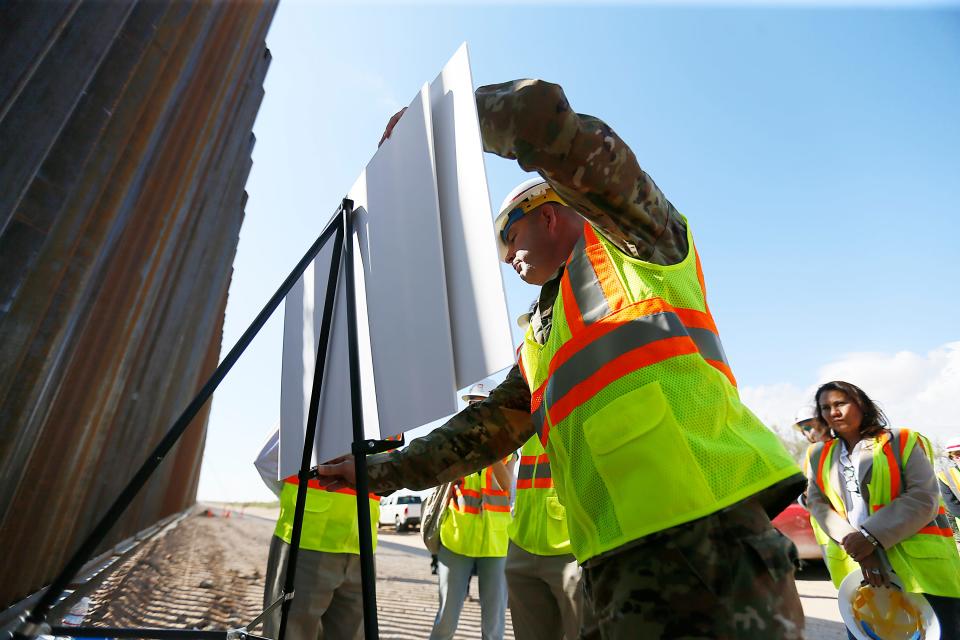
(125, 131)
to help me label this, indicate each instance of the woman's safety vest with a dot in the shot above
(635, 403)
(951, 478)
(329, 518)
(818, 533)
(539, 523)
(926, 562)
(475, 524)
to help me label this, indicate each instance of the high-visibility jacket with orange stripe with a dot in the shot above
(926, 562)
(818, 533)
(329, 518)
(632, 396)
(476, 519)
(539, 523)
(951, 478)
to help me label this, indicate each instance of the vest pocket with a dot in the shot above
(554, 509)
(557, 534)
(643, 459)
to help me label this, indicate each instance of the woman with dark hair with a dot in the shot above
(874, 492)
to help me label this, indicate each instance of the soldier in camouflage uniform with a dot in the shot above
(726, 575)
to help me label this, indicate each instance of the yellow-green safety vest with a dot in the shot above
(635, 403)
(539, 523)
(818, 533)
(951, 478)
(476, 518)
(926, 562)
(329, 518)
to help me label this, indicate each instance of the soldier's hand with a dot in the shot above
(338, 473)
(390, 125)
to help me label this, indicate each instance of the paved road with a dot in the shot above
(819, 599)
(208, 573)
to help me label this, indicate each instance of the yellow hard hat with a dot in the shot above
(886, 612)
(522, 199)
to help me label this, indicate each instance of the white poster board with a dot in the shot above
(479, 319)
(431, 312)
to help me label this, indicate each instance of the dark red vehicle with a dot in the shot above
(794, 522)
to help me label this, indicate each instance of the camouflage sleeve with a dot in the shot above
(588, 164)
(473, 439)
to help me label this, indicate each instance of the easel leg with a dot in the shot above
(367, 571)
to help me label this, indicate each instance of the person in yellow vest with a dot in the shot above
(328, 601)
(805, 421)
(874, 493)
(668, 480)
(473, 535)
(544, 581)
(949, 476)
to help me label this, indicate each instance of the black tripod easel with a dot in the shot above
(340, 231)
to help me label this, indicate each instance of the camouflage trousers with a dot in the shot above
(728, 575)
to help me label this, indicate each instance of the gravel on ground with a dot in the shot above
(208, 573)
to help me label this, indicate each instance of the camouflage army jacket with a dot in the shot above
(597, 174)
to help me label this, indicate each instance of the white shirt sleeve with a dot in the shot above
(267, 463)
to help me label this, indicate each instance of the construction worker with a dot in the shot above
(949, 477)
(473, 535)
(329, 598)
(668, 480)
(544, 581)
(874, 492)
(805, 421)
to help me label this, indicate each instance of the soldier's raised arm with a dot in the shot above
(587, 163)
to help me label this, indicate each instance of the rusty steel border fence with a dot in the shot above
(125, 145)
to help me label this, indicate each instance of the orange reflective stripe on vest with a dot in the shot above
(489, 499)
(593, 291)
(494, 499)
(538, 413)
(645, 334)
(534, 473)
(940, 525)
(313, 483)
(468, 501)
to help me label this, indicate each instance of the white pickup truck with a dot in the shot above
(402, 510)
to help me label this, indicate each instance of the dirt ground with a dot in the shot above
(208, 573)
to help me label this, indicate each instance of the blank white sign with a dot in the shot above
(431, 312)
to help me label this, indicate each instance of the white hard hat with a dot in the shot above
(522, 199)
(481, 389)
(804, 413)
(953, 444)
(870, 612)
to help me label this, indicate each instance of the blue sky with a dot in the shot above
(814, 150)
